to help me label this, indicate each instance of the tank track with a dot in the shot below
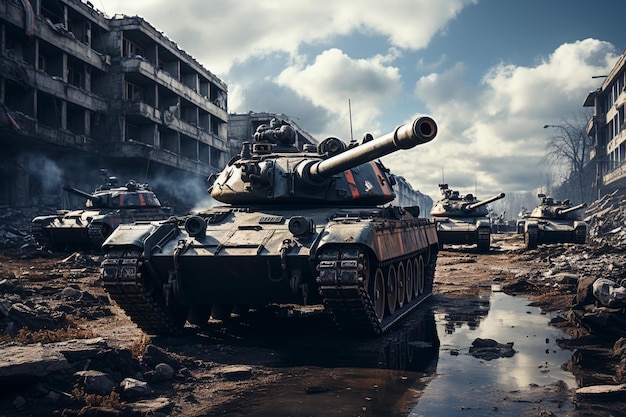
(580, 235)
(342, 280)
(140, 299)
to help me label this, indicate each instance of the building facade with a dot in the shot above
(608, 128)
(80, 91)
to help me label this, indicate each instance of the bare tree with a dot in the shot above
(570, 147)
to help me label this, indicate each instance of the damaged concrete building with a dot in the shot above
(607, 127)
(80, 91)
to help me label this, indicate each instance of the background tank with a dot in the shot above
(555, 221)
(298, 227)
(107, 207)
(463, 220)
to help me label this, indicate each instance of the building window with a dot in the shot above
(133, 92)
(131, 49)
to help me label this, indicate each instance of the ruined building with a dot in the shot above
(608, 128)
(80, 91)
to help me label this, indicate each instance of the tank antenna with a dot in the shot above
(350, 113)
(443, 179)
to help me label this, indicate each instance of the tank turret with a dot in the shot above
(273, 170)
(463, 219)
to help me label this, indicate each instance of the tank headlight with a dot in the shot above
(301, 226)
(195, 226)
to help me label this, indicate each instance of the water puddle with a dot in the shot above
(424, 367)
(466, 385)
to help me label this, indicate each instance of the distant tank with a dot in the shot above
(107, 207)
(463, 220)
(521, 220)
(555, 221)
(298, 227)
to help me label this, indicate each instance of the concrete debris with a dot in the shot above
(95, 382)
(610, 293)
(602, 390)
(489, 349)
(20, 364)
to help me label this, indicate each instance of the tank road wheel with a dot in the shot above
(409, 278)
(392, 289)
(199, 315)
(406, 283)
(379, 294)
(401, 284)
(418, 283)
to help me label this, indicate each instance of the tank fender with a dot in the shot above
(483, 223)
(531, 224)
(144, 236)
(580, 224)
(341, 233)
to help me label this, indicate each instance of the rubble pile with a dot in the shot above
(14, 228)
(594, 274)
(606, 220)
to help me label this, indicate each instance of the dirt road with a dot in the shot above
(232, 370)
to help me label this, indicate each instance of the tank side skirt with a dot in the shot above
(343, 278)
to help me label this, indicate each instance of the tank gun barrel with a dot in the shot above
(487, 201)
(570, 209)
(80, 193)
(407, 136)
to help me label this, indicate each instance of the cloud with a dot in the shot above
(334, 78)
(499, 123)
(222, 33)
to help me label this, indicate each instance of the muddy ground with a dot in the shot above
(222, 370)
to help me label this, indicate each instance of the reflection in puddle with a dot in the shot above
(465, 384)
(423, 367)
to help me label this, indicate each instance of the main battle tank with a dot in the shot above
(555, 221)
(107, 207)
(297, 227)
(463, 220)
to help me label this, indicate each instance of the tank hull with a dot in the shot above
(87, 229)
(464, 231)
(342, 259)
(542, 231)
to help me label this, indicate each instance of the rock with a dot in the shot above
(602, 390)
(71, 293)
(489, 349)
(134, 388)
(609, 293)
(76, 350)
(164, 371)
(236, 372)
(584, 293)
(150, 407)
(95, 382)
(31, 362)
(154, 355)
(33, 319)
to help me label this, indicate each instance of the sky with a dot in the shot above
(491, 73)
